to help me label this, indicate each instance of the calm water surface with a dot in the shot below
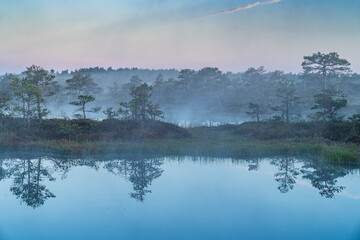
(177, 198)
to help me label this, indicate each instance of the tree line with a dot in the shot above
(24, 96)
(319, 93)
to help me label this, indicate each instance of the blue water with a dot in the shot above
(177, 198)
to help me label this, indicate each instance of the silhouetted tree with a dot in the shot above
(325, 66)
(255, 111)
(43, 85)
(329, 101)
(140, 107)
(287, 99)
(82, 101)
(25, 92)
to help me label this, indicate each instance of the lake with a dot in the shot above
(148, 197)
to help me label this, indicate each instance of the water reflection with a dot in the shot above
(288, 172)
(29, 175)
(324, 177)
(254, 164)
(140, 172)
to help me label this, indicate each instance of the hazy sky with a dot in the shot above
(232, 35)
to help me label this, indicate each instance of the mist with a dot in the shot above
(192, 98)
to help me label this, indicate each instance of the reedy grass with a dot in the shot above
(203, 142)
(333, 152)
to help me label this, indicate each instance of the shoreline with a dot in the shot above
(241, 148)
(329, 142)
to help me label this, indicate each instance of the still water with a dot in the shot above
(139, 197)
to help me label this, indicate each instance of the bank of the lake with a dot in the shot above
(335, 142)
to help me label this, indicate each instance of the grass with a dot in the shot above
(247, 140)
(230, 147)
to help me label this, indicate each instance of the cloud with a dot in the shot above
(241, 8)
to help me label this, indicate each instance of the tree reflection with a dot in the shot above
(4, 173)
(28, 176)
(140, 172)
(324, 178)
(254, 164)
(286, 177)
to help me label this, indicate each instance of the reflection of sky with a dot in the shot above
(190, 200)
(174, 34)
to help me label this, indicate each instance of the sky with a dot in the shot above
(232, 35)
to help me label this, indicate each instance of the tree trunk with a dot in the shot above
(83, 109)
(38, 176)
(29, 177)
(28, 113)
(287, 112)
(39, 107)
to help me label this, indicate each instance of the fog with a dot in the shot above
(191, 98)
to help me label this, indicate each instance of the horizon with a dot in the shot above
(230, 35)
(150, 69)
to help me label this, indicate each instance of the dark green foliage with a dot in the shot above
(140, 108)
(344, 131)
(5, 96)
(355, 119)
(77, 129)
(154, 111)
(24, 92)
(339, 131)
(90, 130)
(329, 101)
(276, 130)
(41, 83)
(30, 91)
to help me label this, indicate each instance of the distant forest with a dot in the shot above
(207, 94)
